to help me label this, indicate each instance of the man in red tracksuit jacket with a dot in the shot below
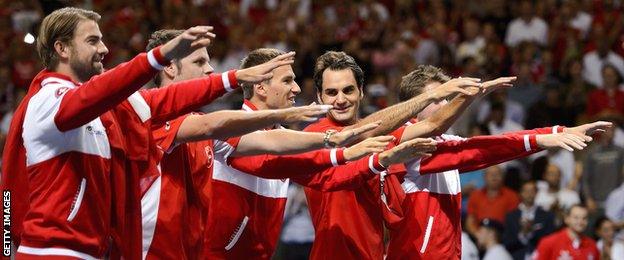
(347, 223)
(432, 223)
(96, 136)
(569, 242)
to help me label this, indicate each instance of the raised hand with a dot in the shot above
(264, 71)
(418, 147)
(190, 40)
(466, 86)
(566, 141)
(303, 114)
(498, 83)
(368, 146)
(346, 137)
(589, 129)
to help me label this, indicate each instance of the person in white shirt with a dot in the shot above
(607, 242)
(527, 27)
(469, 250)
(594, 61)
(489, 237)
(550, 194)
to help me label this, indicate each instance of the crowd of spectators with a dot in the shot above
(567, 55)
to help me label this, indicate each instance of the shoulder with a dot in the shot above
(322, 126)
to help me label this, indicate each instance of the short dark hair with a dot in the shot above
(413, 84)
(254, 58)
(567, 211)
(335, 60)
(158, 38)
(60, 25)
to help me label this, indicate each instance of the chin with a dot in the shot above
(343, 118)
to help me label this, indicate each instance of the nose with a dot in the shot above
(295, 88)
(208, 69)
(341, 98)
(102, 50)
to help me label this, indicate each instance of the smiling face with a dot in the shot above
(281, 90)
(340, 90)
(86, 51)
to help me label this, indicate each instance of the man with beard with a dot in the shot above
(179, 197)
(432, 223)
(77, 152)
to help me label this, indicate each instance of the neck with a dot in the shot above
(64, 69)
(492, 192)
(573, 235)
(528, 204)
(490, 244)
(259, 104)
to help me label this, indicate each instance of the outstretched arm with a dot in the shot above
(395, 116)
(483, 151)
(102, 92)
(226, 124)
(183, 97)
(444, 118)
(284, 141)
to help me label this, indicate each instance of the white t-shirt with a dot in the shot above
(518, 31)
(497, 252)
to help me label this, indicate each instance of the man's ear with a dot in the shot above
(171, 70)
(260, 89)
(62, 49)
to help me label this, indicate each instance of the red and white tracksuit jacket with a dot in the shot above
(349, 223)
(184, 186)
(246, 211)
(86, 154)
(431, 227)
(559, 245)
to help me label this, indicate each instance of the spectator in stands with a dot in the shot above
(608, 100)
(498, 123)
(489, 238)
(569, 242)
(608, 244)
(493, 201)
(527, 27)
(526, 225)
(594, 62)
(614, 207)
(602, 171)
(551, 196)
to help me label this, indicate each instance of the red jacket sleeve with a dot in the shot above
(349, 176)
(180, 98)
(287, 166)
(317, 169)
(101, 93)
(538, 131)
(478, 152)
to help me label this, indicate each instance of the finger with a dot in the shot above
(365, 128)
(203, 42)
(198, 30)
(285, 56)
(565, 146)
(578, 139)
(383, 138)
(468, 79)
(573, 144)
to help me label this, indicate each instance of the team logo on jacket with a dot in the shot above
(209, 156)
(60, 91)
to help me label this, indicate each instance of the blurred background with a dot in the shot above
(567, 54)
